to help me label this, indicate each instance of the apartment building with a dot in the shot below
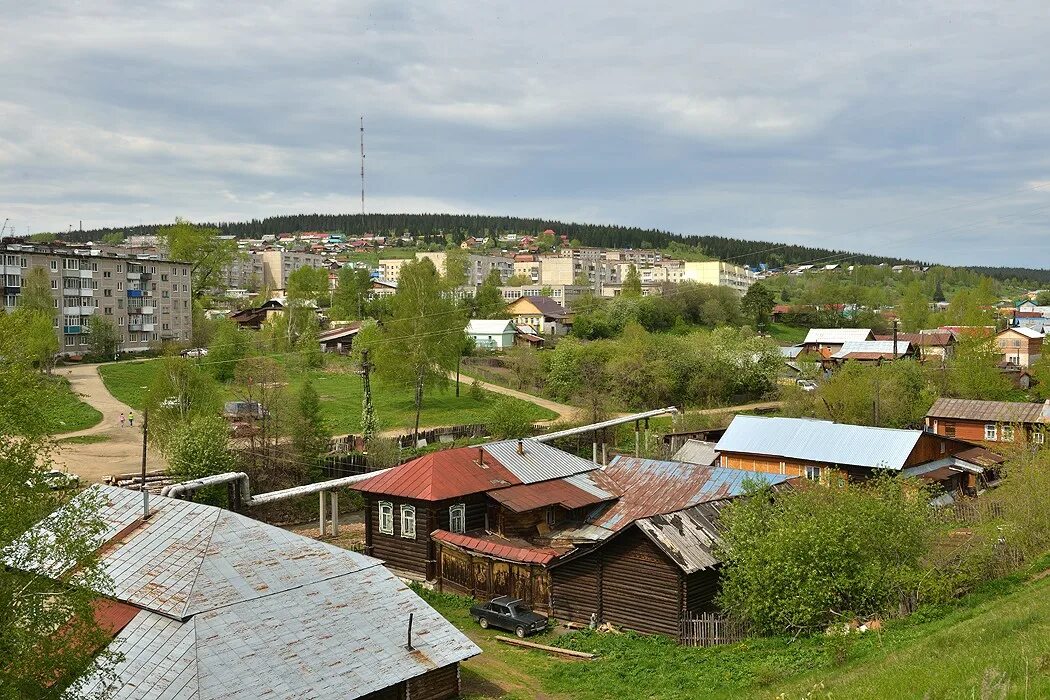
(564, 294)
(147, 298)
(245, 272)
(478, 266)
(718, 273)
(278, 265)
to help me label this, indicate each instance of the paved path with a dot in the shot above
(122, 452)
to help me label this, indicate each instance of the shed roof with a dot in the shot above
(994, 411)
(339, 333)
(500, 326)
(922, 339)
(697, 452)
(791, 352)
(836, 336)
(439, 475)
(687, 536)
(820, 441)
(874, 347)
(1025, 331)
(498, 548)
(571, 492)
(223, 604)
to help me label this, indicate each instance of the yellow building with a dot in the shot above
(719, 274)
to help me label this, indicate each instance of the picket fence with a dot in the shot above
(710, 629)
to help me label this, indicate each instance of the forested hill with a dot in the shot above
(461, 226)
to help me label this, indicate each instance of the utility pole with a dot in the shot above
(362, 165)
(145, 493)
(368, 414)
(895, 323)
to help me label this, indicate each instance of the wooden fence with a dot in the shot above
(710, 629)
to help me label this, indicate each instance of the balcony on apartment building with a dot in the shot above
(141, 327)
(71, 330)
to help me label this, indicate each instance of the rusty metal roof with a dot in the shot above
(229, 606)
(697, 452)
(992, 411)
(497, 548)
(440, 475)
(576, 491)
(687, 536)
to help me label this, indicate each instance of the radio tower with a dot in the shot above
(362, 165)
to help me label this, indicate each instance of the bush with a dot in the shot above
(507, 419)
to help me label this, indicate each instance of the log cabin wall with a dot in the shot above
(575, 590)
(403, 554)
(439, 684)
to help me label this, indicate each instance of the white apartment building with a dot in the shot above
(718, 273)
(564, 294)
(148, 299)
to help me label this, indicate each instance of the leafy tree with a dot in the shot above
(229, 345)
(938, 292)
(632, 284)
(489, 302)
(36, 293)
(103, 338)
(310, 434)
(457, 262)
(757, 304)
(527, 365)
(308, 284)
(37, 662)
(518, 280)
(113, 238)
(545, 241)
(28, 336)
(308, 354)
(797, 560)
(426, 330)
(507, 419)
(914, 308)
(201, 246)
(972, 371)
(351, 294)
(1040, 370)
(201, 447)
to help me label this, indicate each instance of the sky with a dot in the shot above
(912, 129)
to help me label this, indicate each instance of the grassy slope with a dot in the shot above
(992, 641)
(340, 391)
(788, 335)
(63, 411)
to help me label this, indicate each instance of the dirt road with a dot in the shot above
(121, 452)
(564, 411)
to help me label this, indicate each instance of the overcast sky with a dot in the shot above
(917, 129)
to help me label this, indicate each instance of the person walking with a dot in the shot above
(122, 419)
(131, 419)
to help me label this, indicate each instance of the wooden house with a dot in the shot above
(827, 341)
(989, 421)
(836, 454)
(929, 345)
(870, 352)
(256, 317)
(542, 313)
(1020, 346)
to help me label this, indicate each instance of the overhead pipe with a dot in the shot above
(244, 487)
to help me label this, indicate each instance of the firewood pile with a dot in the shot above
(155, 481)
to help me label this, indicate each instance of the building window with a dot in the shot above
(54, 264)
(783, 468)
(120, 286)
(54, 284)
(106, 274)
(1037, 437)
(120, 268)
(71, 340)
(813, 473)
(107, 292)
(408, 522)
(949, 430)
(990, 432)
(386, 518)
(1008, 433)
(457, 518)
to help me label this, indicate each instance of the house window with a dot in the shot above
(813, 473)
(386, 518)
(1008, 433)
(783, 468)
(990, 431)
(1037, 437)
(71, 340)
(54, 264)
(949, 429)
(120, 268)
(54, 284)
(551, 517)
(457, 518)
(408, 522)
(120, 286)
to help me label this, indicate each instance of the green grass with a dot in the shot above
(789, 335)
(63, 411)
(996, 639)
(341, 393)
(84, 439)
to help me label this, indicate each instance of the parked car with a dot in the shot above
(195, 352)
(806, 384)
(509, 614)
(244, 410)
(57, 480)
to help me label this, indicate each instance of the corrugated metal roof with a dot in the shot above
(791, 352)
(261, 598)
(444, 474)
(498, 550)
(1026, 332)
(992, 411)
(687, 536)
(540, 461)
(572, 492)
(697, 452)
(836, 336)
(819, 441)
(881, 347)
(489, 327)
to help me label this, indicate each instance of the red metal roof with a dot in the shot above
(441, 475)
(112, 616)
(528, 497)
(498, 550)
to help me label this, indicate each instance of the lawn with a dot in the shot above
(63, 411)
(787, 335)
(341, 392)
(993, 643)
(84, 439)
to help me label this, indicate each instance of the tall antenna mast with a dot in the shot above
(362, 165)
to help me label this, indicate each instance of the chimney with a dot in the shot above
(521, 447)
(481, 456)
(409, 645)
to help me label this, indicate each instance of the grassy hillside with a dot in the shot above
(341, 393)
(63, 411)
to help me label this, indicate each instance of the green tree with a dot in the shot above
(518, 280)
(37, 662)
(228, 346)
(351, 294)
(103, 338)
(424, 336)
(795, 561)
(632, 284)
(914, 308)
(526, 364)
(36, 293)
(308, 284)
(181, 389)
(308, 354)
(206, 251)
(488, 301)
(508, 418)
(201, 447)
(972, 371)
(456, 272)
(545, 241)
(310, 433)
(757, 304)
(28, 336)
(113, 238)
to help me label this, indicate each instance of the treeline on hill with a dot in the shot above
(460, 226)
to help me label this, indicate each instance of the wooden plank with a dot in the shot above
(543, 647)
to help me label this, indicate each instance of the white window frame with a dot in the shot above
(54, 264)
(1037, 436)
(991, 432)
(386, 517)
(457, 512)
(408, 522)
(1008, 433)
(813, 472)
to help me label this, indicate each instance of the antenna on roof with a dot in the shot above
(145, 493)
(409, 645)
